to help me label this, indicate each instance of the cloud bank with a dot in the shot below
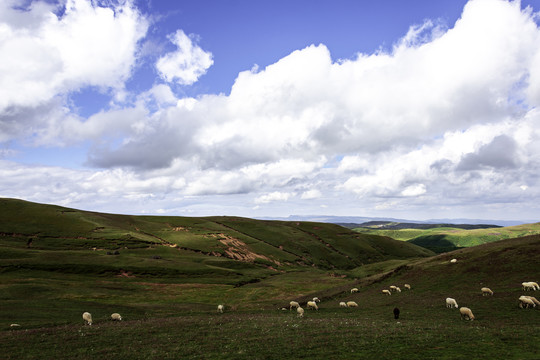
(444, 122)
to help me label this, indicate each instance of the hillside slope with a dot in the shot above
(271, 243)
(447, 238)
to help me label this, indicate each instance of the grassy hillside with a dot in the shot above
(64, 260)
(426, 329)
(443, 239)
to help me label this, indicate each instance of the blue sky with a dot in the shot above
(411, 109)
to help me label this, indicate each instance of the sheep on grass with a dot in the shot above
(534, 300)
(312, 305)
(87, 317)
(293, 304)
(316, 299)
(466, 313)
(387, 292)
(300, 311)
(486, 291)
(407, 286)
(351, 304)
(354, 290)
(453, 261)
(220, 308)
(396, 313)
(343, 304)
(524, 301)
(116, 317)
(529, 285)
(451, 303)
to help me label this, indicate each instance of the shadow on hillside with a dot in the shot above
(436, 243)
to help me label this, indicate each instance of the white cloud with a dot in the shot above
(414, 190)
(311, 194)
(273, 196)
(43, 55)
(446, 118)
(187, 63)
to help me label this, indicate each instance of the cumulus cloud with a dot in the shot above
(450, 112)
(43, 54)
(187, 63)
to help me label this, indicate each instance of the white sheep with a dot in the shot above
(312, 305)
(530, 285)
(398, 289)
(14, 325)
(220, 308)
(525, 301)
(293, 304)
(466, 313)
(300, 311)
(87, 317)
(387, 292)
(393, 288)
(351, 304)
(453, 261)
(407, 286)
(534, 300)
(316, 299)
(116, 317)
(451, 303)
(354, 290)
(486, 291)
(343, 304)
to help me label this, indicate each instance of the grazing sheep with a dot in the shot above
(14, 325)
(486, 291)
(387, 292)
(293, 304)
(407, 286)
(398, 289)
(354, 290)
(87, 317)
(525, 301)
(534, 300)
(343, 304)
(530, 285)
(393, 288)
(312, 305)
(116, 317)
(453, 261)
(396, 313)
(451, 303)
(351, 304)
(527, 286)
(284, 309)
(220, 308)
(316, 299)
(300, 311)
(466, 313)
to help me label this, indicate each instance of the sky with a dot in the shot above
(413, 109)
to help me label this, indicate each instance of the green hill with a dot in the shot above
(64, 259)
(447, 238)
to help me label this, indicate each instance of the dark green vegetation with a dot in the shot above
(170, 273)
(447, 237)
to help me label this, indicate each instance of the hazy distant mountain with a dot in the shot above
(361, 219)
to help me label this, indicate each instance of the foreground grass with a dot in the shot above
(328, 333)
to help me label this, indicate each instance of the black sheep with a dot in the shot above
(396, 313)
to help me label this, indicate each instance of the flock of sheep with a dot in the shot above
(465, 312)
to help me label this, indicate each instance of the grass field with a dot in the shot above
(170, 274)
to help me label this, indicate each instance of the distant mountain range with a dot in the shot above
(350, 220)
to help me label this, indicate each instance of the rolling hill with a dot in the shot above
(447, 237)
